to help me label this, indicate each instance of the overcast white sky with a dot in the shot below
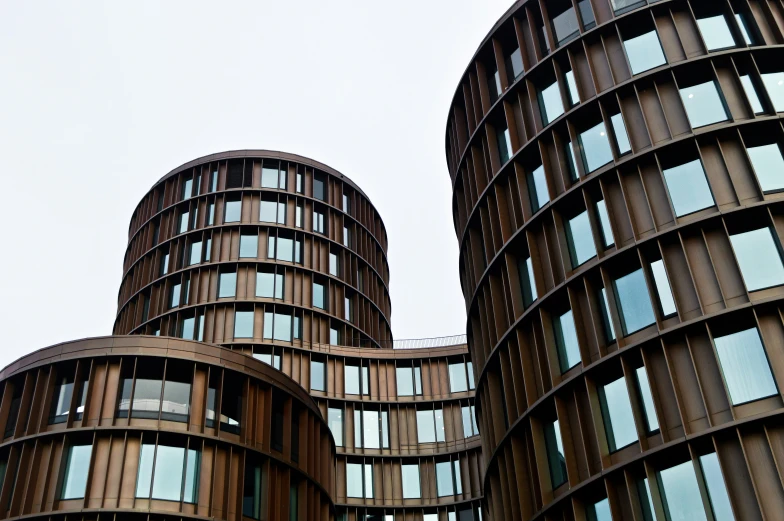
(99, 99)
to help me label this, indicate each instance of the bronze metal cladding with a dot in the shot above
(617, 177)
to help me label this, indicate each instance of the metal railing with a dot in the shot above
(424, 343)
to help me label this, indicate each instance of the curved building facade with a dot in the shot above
(617, 172)
(159, 428)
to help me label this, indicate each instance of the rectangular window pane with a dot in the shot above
(681, 493)
(184, 220)
(537, 188)
(617, 413)
(354, 480)
(144, 476)
(249, 246)
(550, 103)
(555, 453)
(405, 381)
(195, 257)
(601, 511)
(644, 52)
(751, 94)
(644, 387)
(759, 259)
(688, 188)
(504, 144)
(745, 366)
(167, 481)
(282, 329)
(596, 148)
(468, 430)
(268, 211)
(176, 398)
(604, 222)
(426, 432)
(457, 378)
(565, 26)
(411, 481)
(621, 137)
(372, 426)
(444, 483)
(269, 177)
(227, 284)
(608, 325)
(369, 481)
(514, 65)
(318, 296)
(174, 298)
(715, 32)
(352, 379)
(663, 289)
(631, 292)
(566, 341)
(317, 376)
(703, 103)
(76, 469)
(527, 281)
(774, 83)
(243, 324)
(769, 166)
(233, 211)
(191, 490)
(580, 237)
(574, 94)
(335, 421)
(254, 484)
(717, 490)
(438, 414)
(574, 173)
(265, 284)
(744, 28)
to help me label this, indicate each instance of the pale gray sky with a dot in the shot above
(99, 99)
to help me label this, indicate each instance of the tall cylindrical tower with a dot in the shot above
(617, 171)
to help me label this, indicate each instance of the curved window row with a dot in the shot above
(451, 513)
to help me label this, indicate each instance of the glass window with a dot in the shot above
(268, 211)
(600, 511)
(187, 188)
(514, 65)
(751, 94)
(319, 300)
(537, 188)
(184, 220)
(574, 94)
(504, 144)
(269, 285)
(164, 264)
(703, 103)
(346, 204)
(525, 269)
(745, 28)
(334, 336)
(249, 246)
(253, 499)
(227, 284)
(269, 177)
(620, 6)
(319, 187)
(644, 52)
(356, 379)
(359, 480)
(77, 466)
(617, 413)
(566, 341)
(298, 215)
(632, 298)
(318, 376)
(233, 212)
(550, 103)
(493, 84)
(277, 326)
(318, 221)
(346, 237)
(411, 488)
(580, 239)
(195, 256)
(717, 490)
(458, 382)
(174, 296)
(768, 166)
(759, 259)
(243, 324)
(430, 426)
(565, 25)
(347, 311)
(604, 223)
(176, 394)
(555, 453)
(445, 480)
(61, 400)
(681, 492)
(333, 264)
(170, 463)
(621, 137)
(469, 421)
(663, 290)
(571, 164)
(335, 421)
(605, 309)
(409, 381)
(644, 387)
(586, 13)
(210, 214)
(745, 366)
(688, 188)
(596, 148)
(715, 32)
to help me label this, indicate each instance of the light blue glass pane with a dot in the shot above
(688, 188)
(604, 221)
(647, 399)
(268, 211)
(411, 481)
(717, 490)
(444, 479)
(644, 52)
(602, 510)
(555, 453)
(581, 245)
(184, 217)
(369, 481)
(574, 94)
(715, 32)
(285, 249)
(703, 104)
(586, 13)
(439, 416)
(352, 379)
(663, 288)
(269, 177)
(649, 496)
(458, 479)
(77, 467)
(504, 145)
(282, 328)
(195, 253)
(405, 381)
(751, 94)
(371, 424)
(745, 366)
(227, 284)
(457, 378)
(354, 480)
(265, 284)
(167, 483)
(467, 425)
(575, 172)
(566, 338)
(318, 295)
(635, 304)
(741, 19)
(243, 324)
(682, 493)
(607, 320)
(425, 427)
(334, 337)
(317, 376)
(188, 327)
(769, 166)
(596, 147)
(537, 186)
(621, 137)
(249, 245)
(335, 421)
(625, 4)
(187, 188)
(191, 492)
(759, 259)
(333, 264)
(565, 25)
(551, 103)
(621, 419)
(529, 266)
(144, 477)
(233, 211)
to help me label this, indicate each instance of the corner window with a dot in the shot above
(704, 104)
(359, 480)
(580, 239)
(335, 422)
(537, 189)
(595, 146)
(715, 32)
(768, 166)
(550, 103)
(227, 284)
(759, 259)
(663, 290)
(566, 341)
(318, 376)
(430, 426)
(745, 366)
(448, 480)
(77, 467)
(525, 269)
(688, 188)
(555, 453)
(411, 486)
(232, 211)
(617, 413)
(631, 294)
(243, 324)
(644, 52)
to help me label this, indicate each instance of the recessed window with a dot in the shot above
(210, 214)
(704, 104)
(504, 144)
(357, 379)
(596, 148)
(621, 137)
(565, 26)
(411, 486)
(458, 378)
(759, 258)
(571, 163)
(268, 211)
(688, 188)
(448, 480)
(174, 296)
(717, 489)
(644, 388)
(347, 204)
(604, 223)
(550, 103)
(430, 426)
(566, 341)
(346, 237)
(537, 188)
(631, 294)
(555, 453)
(644, 52)
(609, 330)
(359, 480)
(268, 356)
(470, 427)
(617, 413)
(348, 309)
(514, 65)
(319, 296)
(77, 467)
(586, 13)
(580, 239)
(269, 284)
(277, 326)
(751, 94)
(232, 211)
(195, 256)
(318, 221)
(600, 511)
(184, 221)
(574, 94)
(319, 187)
(254, 501)
(176, 474)
(715, 32)
(334, 336)
(284, 249)
(371, 429)
(663, 290)
(745, 366)
(768, 166)
(249, 246)
(333, 264)
(525, 269)
(227, 284)
(318, 376)
(409, 380)
(621, 6)
(335, 422)
(243, 324)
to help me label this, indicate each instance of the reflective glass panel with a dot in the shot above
(618, 416)
(644, 52)
(227, 284)
(354, 480)
(759, 259)
(601, 511)
(744, 29)
(233, 211)
(604, 222)
(621, 137)
(717, 490)
(596, 148)
(167, 482)
(269, 177)
(681, 493)
(688, 188)
(527, 281)
(566, 341)
(608, 325)
(249, 245)
(318, 295)
(514, 65)
(634, 302)
(457, 378)
(243, 324)
(195, 257)
(426, 432)
(769, 166)
(268, 211)
(643, 385)
(745, 366)
(537, 188)
(317, 376)
(405, 381)
(703, 103)
(751, 94)
(77, 467)
(352, 379)
(574, 94)
(565, 26)
(580, 236)
(504, 145)
(555, 453)
(444, 482)
(715, 32)
(411, 481)
(550, 102)
(371, 424)
(663, 289)
(144, 474)
(176, 400)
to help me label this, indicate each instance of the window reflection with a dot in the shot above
(580, 239)
(751, 94)
(617, 413)
(595, 147)
(759, 259)
(681, 492)
(175, 476)
(631, 294)
(77, 467)
(768, 166)
(688, 188)
(537, 189)
(704, 104)
(644, 52)
(745, 366)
